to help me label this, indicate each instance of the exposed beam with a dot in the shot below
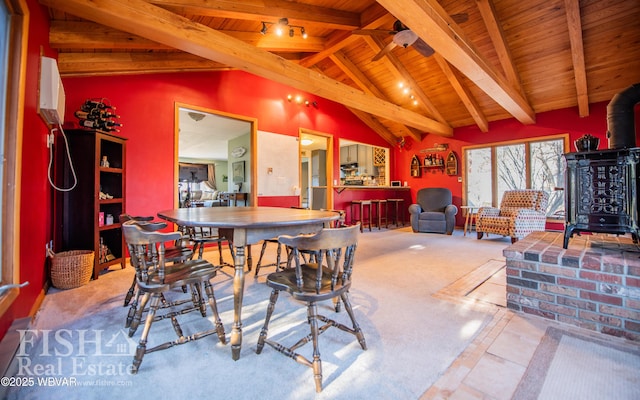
(432, 24)
(340, 40)
(157, 24)
(365, 84)
(84, 64)
(82, 35)
(463, 92)
(577, 54)
(297, 13)
(375, 125)
(397, 68)
(488, 13)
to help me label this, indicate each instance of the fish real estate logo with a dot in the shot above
(67, 357)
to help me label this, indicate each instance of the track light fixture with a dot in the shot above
(281, 25)
(298, 99)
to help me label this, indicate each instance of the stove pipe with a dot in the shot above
(621, 130)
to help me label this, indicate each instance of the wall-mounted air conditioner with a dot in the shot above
(51, 104)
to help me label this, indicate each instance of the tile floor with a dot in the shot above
(495, 362)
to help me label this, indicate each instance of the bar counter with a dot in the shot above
(345, 194)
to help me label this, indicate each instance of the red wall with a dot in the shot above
(146, 105)
(35, 211)
(548, 123)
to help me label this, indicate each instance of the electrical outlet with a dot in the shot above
(460, 179)
(50, 139)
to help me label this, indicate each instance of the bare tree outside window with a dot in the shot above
(533, 164)
(478, 171)
(547, 172)
(511, 165)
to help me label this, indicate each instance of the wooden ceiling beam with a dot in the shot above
(157, 24)
(375, 126)
(365, 84)
(82, 35)
(400, 71)
(297, 13)
(432, 24)
(339, 40)
(88, 64)
(488, 13)
(577, 54)
(463, 92)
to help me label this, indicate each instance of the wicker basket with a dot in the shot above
(71, 269)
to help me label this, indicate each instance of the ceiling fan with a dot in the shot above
(405, 37)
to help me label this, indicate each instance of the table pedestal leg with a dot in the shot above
(238, 291)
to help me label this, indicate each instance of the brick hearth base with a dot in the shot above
(594, 283)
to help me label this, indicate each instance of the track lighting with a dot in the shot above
(298, 99)
(406, 90)
(281, 25)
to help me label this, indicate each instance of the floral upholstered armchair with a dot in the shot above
(521, 212)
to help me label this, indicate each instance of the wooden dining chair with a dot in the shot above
(155, 278)
(175, 253)
(278, 263)
(327, 278)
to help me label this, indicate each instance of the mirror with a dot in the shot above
(212, 148)
(363, 164)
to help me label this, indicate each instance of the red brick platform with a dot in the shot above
(593, 284)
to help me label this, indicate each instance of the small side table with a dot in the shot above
(471, 213)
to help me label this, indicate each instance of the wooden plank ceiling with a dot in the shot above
(492, 59)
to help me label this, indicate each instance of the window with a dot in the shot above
(14, 28)
(528, 164)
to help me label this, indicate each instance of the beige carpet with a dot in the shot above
(592, 367)
(412, 336)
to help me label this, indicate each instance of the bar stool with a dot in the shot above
(362, 205)
(379, 203)
(398, 206)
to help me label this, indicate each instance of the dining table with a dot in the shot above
(244, 226)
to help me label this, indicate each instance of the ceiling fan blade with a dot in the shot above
(460, 18)
(384, 51)
(423, 48)
(378, 32)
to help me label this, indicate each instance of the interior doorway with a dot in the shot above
(316, 170)
(217, 143)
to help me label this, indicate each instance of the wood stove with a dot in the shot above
(601, 192)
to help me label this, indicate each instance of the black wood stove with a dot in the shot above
(601, 191)
(601, 194)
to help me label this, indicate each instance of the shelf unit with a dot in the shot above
(78, 224)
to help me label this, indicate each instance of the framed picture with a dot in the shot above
(238, 171)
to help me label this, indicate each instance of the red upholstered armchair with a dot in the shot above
(521, 212)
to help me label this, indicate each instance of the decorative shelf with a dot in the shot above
(451, 163)
(433, 167)
(436, 147)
